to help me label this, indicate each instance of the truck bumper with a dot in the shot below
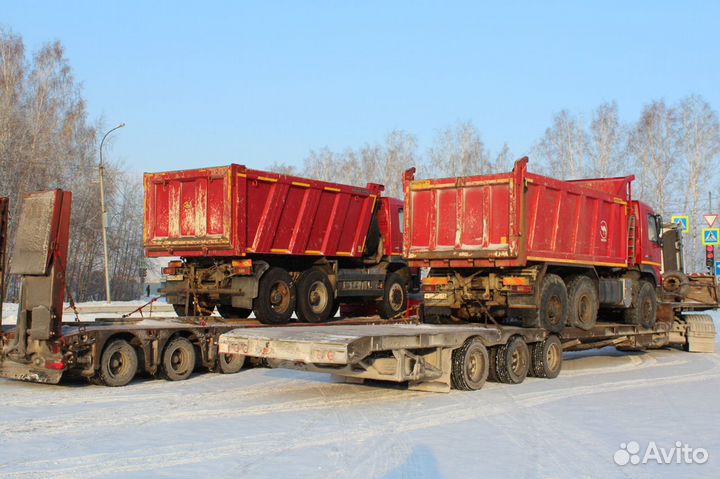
(28, 372)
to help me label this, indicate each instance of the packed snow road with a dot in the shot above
(264, 422)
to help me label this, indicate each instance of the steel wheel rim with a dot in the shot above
(179, 360)
(279, 297)
(117, 366)
(647, 310)
(584, 311)
(318, 297)
(554, 310)
(474, 366)
(552, 358)
(395, 297)
(517, 362)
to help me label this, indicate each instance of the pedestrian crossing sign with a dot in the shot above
(711, 236)
(683, 221)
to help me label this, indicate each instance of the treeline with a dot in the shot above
(47, 142)
(672, 150)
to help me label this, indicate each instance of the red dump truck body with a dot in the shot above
(514, 218)
(255, 242)
(233, 211)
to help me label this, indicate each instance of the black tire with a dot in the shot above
(192, 310)
(230, 363)
(315, 296)
(394, 299)
(275, 302)
(512, 361)
(470, 366)
(118, 364)
(643, 310)
(180, 310)
(230, 312)
(546, 357)
(583, 302)
(335, 308)
(492, 359)
(178, 360)
(552, 312)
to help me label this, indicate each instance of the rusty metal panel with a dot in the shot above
(32, 250)
(514, 218)
(189, 210)
(235, 211)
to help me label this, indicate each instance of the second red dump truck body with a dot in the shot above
(524, 246)
(515, 218)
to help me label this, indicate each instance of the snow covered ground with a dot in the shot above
(282, 423)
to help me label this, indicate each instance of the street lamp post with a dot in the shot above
(104, 213)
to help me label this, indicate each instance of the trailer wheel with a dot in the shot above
(178, 360)
(118, 363)
(315, 296)
(275, 301)
(512, 361)
(470, 366)
(552, 312)
(230, 363)
(547, 358)
(644, 307)
(583, 302)
(230, 312)
(394, 299)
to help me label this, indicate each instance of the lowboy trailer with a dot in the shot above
(437, 358)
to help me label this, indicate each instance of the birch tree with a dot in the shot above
(699, 145)
(563, 147)
(606, 143)
(654, 145)
(458, 151)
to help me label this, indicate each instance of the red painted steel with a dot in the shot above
(234, 211)
(515, 218)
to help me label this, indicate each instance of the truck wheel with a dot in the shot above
(394, 299)
(583, 302)
(315, 296)
(230, 312)
(276, 297)
(230, 363)
(512, 361)
(644, 307)
(469, 366)
(180, 310)
(118, 363)
(552, 312)
(178, 360)
(547, 357)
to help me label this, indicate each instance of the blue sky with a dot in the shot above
(210, 83)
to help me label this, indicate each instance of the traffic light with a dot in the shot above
(710, 258)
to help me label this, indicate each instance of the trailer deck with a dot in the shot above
(425, 355)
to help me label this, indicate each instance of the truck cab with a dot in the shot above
(648, 248)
